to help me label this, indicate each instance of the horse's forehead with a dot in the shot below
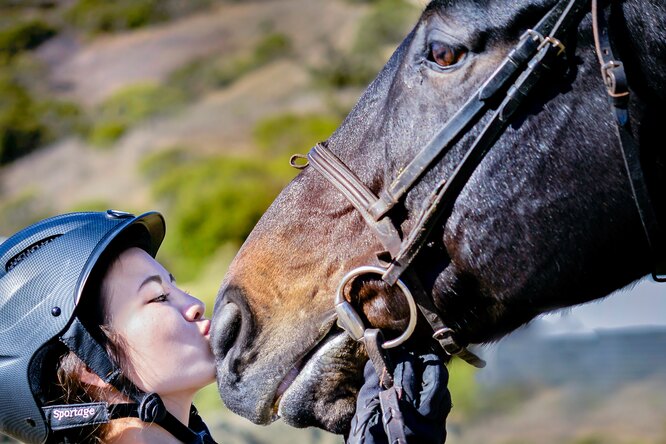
(484, 13)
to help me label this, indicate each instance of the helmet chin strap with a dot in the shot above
(146, 406)
(71, 416)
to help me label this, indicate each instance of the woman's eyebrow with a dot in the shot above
(154, 278)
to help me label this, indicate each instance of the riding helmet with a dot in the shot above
(43, 270)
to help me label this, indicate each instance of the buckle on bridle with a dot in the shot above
(543, 41)
(613, 74)
(534, 35)
(445, 337)
(555, 43)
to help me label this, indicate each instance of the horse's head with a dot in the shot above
(544, 220)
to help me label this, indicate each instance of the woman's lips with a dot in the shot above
(206, 328)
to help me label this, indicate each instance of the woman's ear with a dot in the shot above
(87, 376)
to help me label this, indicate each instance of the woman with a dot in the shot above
(98, 343)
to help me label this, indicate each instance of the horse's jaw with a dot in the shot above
(324, 391)
(308, 379)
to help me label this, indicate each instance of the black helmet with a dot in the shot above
(43, 270)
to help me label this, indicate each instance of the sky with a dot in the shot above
(639, 305)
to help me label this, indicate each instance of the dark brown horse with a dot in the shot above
(547, 219)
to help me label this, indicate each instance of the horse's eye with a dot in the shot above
(445, 55)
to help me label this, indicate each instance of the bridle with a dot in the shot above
(501, 95)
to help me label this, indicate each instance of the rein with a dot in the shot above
(502, 94)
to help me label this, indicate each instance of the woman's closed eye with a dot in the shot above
(163, 297)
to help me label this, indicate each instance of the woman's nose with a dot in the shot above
(195, 310)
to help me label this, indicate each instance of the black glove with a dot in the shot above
(420, 381)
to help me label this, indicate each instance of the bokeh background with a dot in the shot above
(193, 107)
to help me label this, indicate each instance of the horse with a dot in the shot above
(548, 215)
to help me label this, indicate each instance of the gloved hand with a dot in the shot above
(420, 381)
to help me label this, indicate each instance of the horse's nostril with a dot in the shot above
(225, 329)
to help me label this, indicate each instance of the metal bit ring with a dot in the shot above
(349, 320)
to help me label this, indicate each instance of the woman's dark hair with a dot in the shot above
(93, 314)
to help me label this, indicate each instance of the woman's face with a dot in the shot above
(162, 329)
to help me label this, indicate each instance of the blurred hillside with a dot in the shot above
(189, 107)
(192, 108)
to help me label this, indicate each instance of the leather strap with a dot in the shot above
(373, 340)
(79, 340)
(394, 423)
(392, 420)
(356, 192)
(196, 432)
(615, 80)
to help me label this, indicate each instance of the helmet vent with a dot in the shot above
(13, 262)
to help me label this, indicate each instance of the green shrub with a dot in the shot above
(463, 387)
(231, 70)
(22, 36)
(502, 400)
(387, 24)
(97, 16)
(215, 201)
(590, 439)
(20, 211)
(195, 78)
(130, 106)
(27, 124)
(290, 133)
(61, 119)
(206, 74)
(100, 16)
(104, 133)
(20, 128)
(384, 26)
(202, 75)
(157, 164)
(272, 46)
(346, 70)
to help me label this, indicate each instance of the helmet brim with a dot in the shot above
(151, 239)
